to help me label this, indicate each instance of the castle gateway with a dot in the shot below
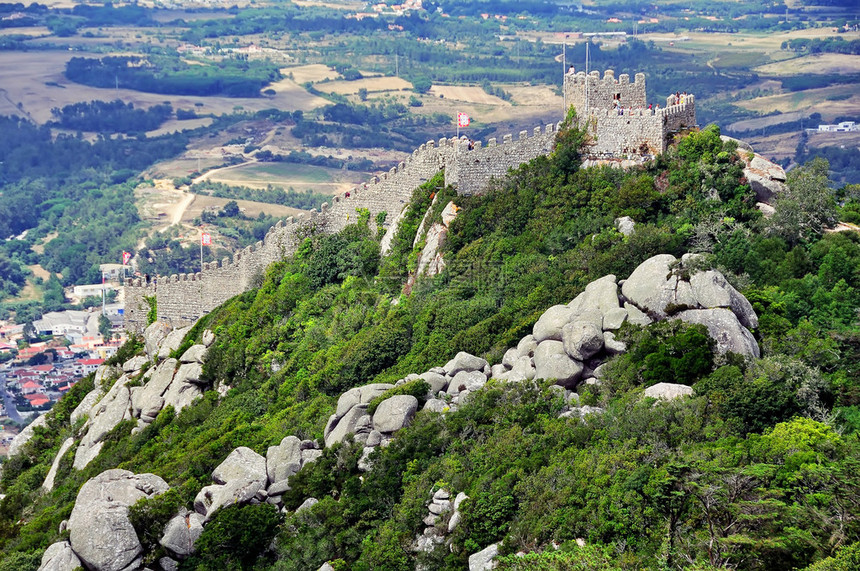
(618, 118)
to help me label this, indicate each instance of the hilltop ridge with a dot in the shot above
(327, 357)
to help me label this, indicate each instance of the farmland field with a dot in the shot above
(35, 81)
(298, 176)
(469, 94)
(249, 208)
(313, 73)
(813, 64)
(831, 102)
(372, 84)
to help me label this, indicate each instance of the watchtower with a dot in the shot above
(591, 92)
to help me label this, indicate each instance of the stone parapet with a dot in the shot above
(602, 93)
(471, 169)
(468, 166)
(182, 299)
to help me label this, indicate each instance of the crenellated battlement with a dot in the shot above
(593, 92)
(618, 118)
(468, 166)
(474, 164)
(183, 298)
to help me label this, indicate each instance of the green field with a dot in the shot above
(298, 176)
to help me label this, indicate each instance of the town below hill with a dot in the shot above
(44, 362)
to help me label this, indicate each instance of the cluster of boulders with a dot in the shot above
(569, 344)
(448, 387)
(101, 537)
(443, 517)
(169, 382)
(247, 477)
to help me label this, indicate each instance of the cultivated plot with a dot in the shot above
(33, 84)
(371, 84)
(300, 177)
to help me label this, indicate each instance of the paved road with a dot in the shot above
(11, 410)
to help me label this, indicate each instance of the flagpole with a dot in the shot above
(586, 78)
(201, 252)
(563, 72)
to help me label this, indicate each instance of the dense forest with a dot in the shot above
(79, 191)
(757, 470)
(172, 75)
(111, 117)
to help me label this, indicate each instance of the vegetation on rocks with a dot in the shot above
(757, 470)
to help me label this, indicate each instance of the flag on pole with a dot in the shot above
(462, 120)
(206, 239)
(126, 256)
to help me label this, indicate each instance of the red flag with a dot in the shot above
(462, 120)
(126, 256)
(206, 239)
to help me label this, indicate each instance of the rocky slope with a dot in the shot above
(569, 343)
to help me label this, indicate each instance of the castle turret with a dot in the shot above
(596, 93)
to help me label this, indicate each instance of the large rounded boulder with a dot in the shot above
(100, 532)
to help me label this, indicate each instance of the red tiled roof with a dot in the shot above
(91, 361)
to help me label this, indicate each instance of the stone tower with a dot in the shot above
(603, 93)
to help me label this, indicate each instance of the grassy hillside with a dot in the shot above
(758, 470)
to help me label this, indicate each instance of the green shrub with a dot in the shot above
(235, 538)
(575, 558)
(846, 559)
(150, 516)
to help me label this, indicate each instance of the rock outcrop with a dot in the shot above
(170, 382)
(430, 261)
(668, 391)
(100, 532)
(484, 559)
(237, 479)
(59, 557)
(181, 533)
(25, 435)
(48, 484)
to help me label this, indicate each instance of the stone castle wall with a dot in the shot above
(471, 169)
(637, 131)
(633, 129)
(602, 93)
(181, 299)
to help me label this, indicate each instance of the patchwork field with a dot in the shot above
(504, 118)
(372, 84)
(33, 83)
(32, 31)
(705, 41)
(468, 94)
(764, 122)
(831, 102)
(813, 64)
(534, 95)
(774, 147)
(175, 126)
(289, 175)
(313, 73)
(248, 207)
